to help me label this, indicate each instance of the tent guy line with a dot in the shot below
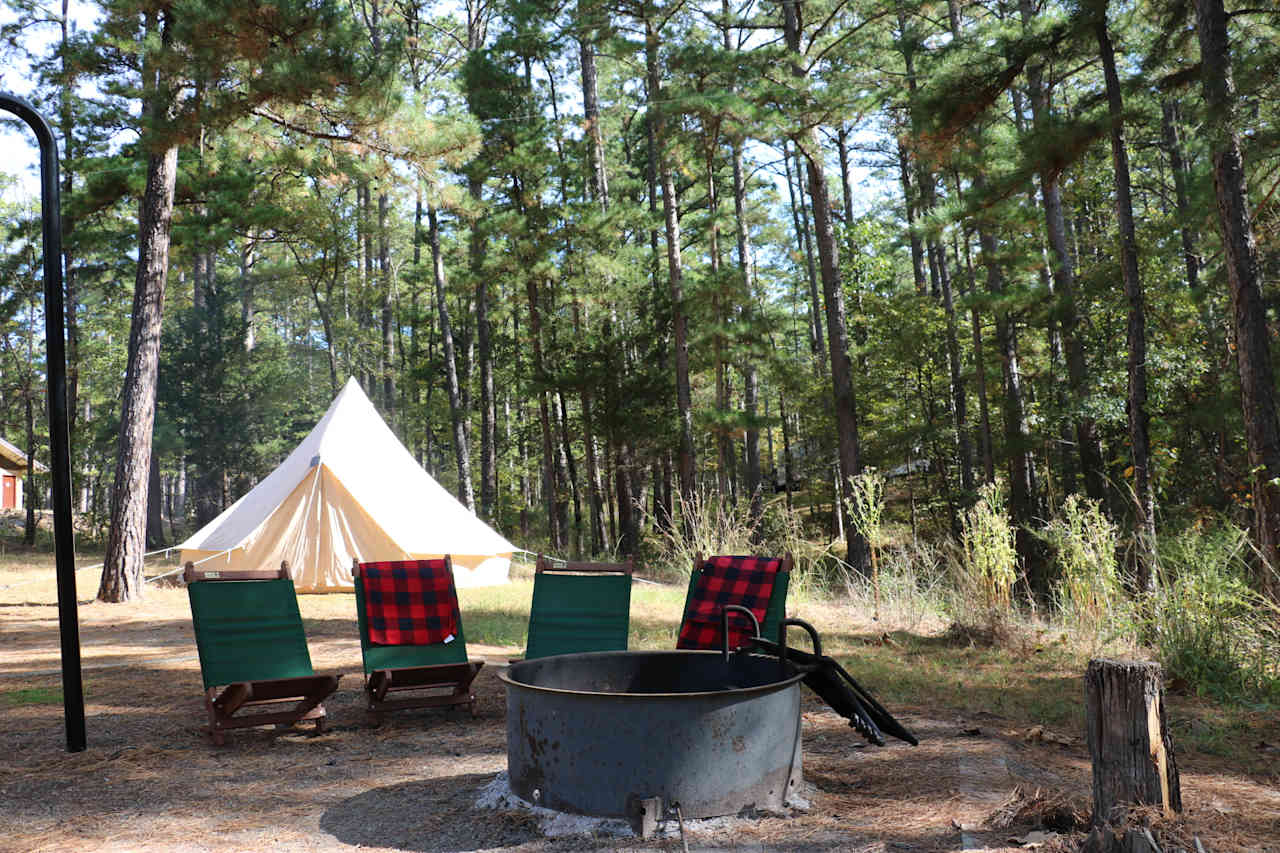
(87, 568)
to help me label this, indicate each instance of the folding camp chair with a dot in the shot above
(251, 644)
(757, 583)
(579, 607)
(411, 636)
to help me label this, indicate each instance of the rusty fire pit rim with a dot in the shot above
(505, 676)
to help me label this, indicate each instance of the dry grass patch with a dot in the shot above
(150, 780)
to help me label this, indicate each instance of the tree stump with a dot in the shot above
(1131, 749)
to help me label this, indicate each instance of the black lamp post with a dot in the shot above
(59, 434)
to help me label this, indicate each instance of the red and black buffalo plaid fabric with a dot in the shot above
(744, 581)
(410, 602)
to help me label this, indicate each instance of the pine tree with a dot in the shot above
(237, 60)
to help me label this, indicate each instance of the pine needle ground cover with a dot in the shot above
(1001, 754)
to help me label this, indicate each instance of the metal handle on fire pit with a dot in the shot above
(782, 637)
(724, 625)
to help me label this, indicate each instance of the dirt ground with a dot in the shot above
(151, 780)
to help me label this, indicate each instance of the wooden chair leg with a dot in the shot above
(219, 739)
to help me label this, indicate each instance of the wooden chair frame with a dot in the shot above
(223, 702)
(455, 678)
(543, 564)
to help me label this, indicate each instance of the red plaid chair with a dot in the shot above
(756, 583)
(411, 636)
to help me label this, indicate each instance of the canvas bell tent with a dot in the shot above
(350, 489)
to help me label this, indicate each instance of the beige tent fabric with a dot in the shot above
(349, 490)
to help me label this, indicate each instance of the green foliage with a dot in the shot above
(1208, 626)
(866, 510)
(32, 696)
(1089, 590)
(988, 564)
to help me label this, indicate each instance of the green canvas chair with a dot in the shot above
(253, 652)
(579, 607)
(707, 583)
(419, 675)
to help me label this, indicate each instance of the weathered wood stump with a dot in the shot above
(1131, 749)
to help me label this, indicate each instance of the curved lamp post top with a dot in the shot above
(59, 438)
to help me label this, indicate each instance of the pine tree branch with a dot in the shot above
(843, 38)
(826, 22)
(311, 133)
(1179, 79)
(1238, 12)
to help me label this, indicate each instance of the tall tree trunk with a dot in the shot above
(591, 106)
(623, 462)
(724, 447)
(675, 274)
(1017, 436)
(921, 200)
(846, 188)
(600, 193)
(815, 301)
(155, 502)
(939, 273)
(1139, 418)
(909, 204)
(595, 488)
(387, 357)
(1088, 445)
(623, 467)
(71, 305)
(248, 308)
(1253, 354)
(980, 374)
(788, 459)
(571, 467)
(805, 247)
(750, 372)
(850, 463)
(556, 529)
(1172, 133)
(484, 341)
(126, 538)
(28, 398)
(456, 411)
(180, 492)
(201, 272)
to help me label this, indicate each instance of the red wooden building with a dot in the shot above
(13, 469)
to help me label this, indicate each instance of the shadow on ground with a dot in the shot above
(425, 816)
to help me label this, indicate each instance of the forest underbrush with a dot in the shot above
(999, 708)
(977, 633)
